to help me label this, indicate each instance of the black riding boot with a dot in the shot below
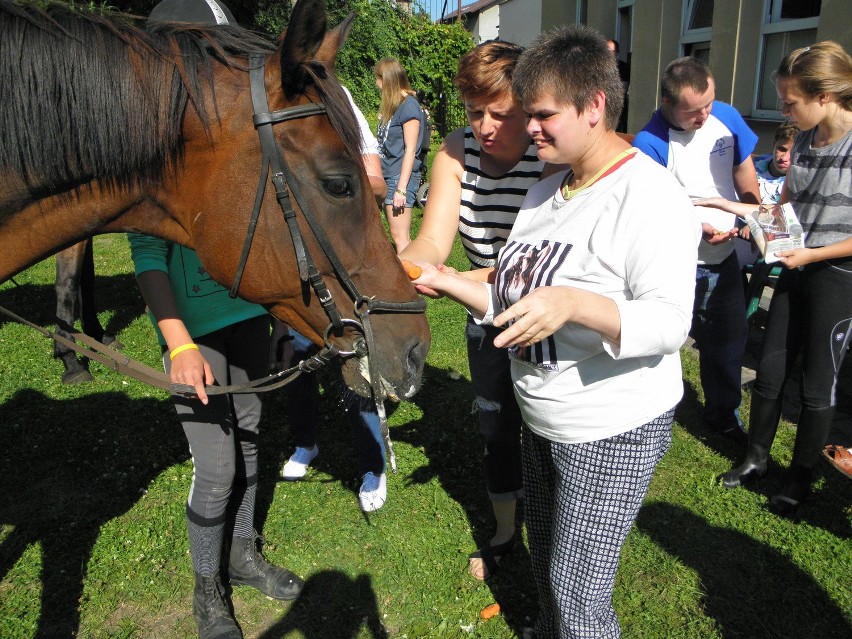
(811, 434)
(211, 610)
(247, 567)
(763, 423)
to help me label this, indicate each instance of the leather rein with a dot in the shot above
(282, 180)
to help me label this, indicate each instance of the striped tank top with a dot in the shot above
(489, 205)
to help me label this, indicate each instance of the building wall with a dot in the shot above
(520, 21)
(835, 22)
(734, 51)
(487, 25)
(556, 12)
(735, 45)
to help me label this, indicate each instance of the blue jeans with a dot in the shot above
(719, 329)
(303, 406)
(497, 409)
(410, 190)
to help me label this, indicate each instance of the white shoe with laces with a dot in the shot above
(297, 465)
(373, 492)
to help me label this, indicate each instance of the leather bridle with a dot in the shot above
(364, 306)
(285, 185)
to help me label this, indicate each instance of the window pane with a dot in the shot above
(700, 50)
(775, 47)
(796, 9)
(702, 15)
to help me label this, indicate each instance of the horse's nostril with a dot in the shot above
(416, 358)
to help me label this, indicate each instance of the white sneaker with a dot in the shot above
(297, 465)
(373, 492)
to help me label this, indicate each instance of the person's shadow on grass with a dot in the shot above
(68, 467)
(752, 590)
(346, 615)
(448, 433)
(825, 508)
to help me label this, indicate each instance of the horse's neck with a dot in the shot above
(46, 226)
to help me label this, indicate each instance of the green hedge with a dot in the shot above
(428, 51)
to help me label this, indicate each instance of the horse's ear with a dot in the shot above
(300, 43)
(334, 41)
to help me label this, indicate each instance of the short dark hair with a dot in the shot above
(687, 72)
(786, 131)
(571, 63)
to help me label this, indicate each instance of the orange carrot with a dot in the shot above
(490, 611)
(412, 270)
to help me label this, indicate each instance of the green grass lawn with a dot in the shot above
(94, 481)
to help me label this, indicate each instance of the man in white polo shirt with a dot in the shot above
(707, 146)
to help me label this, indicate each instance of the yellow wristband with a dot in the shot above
(400, 192)
(180, 349)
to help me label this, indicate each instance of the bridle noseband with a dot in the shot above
(285, 184)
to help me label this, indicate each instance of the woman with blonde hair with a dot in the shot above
(400, 144)
(811, 310)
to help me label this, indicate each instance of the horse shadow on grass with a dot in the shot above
(752, 591)
(352, 612)
(68, 467)
(116, 294)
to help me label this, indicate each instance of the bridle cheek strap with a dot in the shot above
(285, 185)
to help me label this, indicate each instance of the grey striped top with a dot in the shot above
(819, 186)
(489, 204)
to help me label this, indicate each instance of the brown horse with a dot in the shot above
(106, 127)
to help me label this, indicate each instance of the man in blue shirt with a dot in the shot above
(707, 146)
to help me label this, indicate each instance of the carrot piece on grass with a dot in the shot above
(490, 611)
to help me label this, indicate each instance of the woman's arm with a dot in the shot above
(188, 365)
(410, 136)
(151, 258)
(476, 296)
(740, 209)
(373, 166)
(440, 224)
(799, 257)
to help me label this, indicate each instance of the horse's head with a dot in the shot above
(336, 219)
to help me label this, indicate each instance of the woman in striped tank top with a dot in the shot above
(479, 178)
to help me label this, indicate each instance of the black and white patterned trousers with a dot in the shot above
(581, 501)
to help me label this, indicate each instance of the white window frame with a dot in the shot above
(772, 24)
(621, 5)
(692, 36)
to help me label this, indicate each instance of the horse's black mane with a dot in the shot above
(94, 96)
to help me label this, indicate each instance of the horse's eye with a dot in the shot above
(338, 186)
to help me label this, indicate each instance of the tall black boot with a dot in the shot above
(247, 567)
(811, 434)
(212, 611)
(763, 423)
